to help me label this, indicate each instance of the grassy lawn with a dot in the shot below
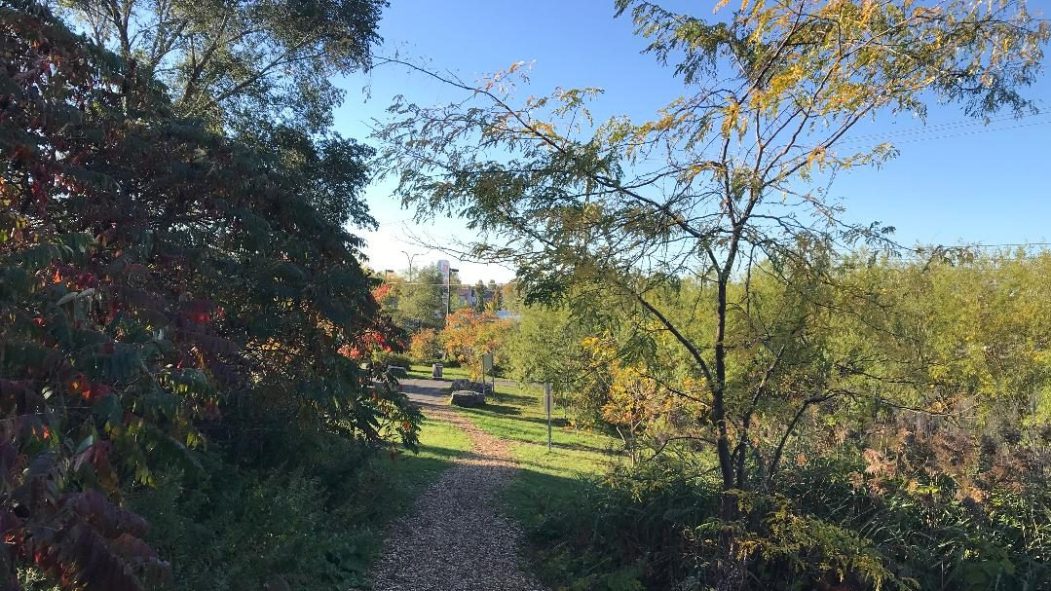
(517, 414)
(549, 480)
(448, 373)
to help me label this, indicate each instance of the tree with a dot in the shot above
(728, 184)
(470, 334)
(497, 295)
(418, 301)
(480, 295)
(455, 292)
(426, 346)
(510, 297)
(258, 70)
(548, 346)
(332, 169)
(161, 285)
(239, 64)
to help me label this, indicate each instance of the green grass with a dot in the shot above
(549, 482)
(410, 474)
(448, 373)
(516, 414)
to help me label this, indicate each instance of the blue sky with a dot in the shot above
(956, 183)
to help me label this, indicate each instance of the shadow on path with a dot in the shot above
(425, 392)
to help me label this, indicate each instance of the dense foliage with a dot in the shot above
(425, 346)
(469, 335)
(416, 301)
(443, 323)
(173, 304)
(746, 340)
(935, 479)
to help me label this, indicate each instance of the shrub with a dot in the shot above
(832, 527)
(470, 334)
(930, 533)
(627, 531)
(243, 530)
(425, 346)
(396, 359)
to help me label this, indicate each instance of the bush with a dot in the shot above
(654, 527)
(470, 334)
(625, 532)
(244, 530)
(395, 359)
(426, 346)
(930, 533)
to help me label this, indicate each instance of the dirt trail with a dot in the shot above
(453, 540)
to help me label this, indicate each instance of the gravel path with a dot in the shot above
(454, 540)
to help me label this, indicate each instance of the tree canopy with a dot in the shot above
(239, 64)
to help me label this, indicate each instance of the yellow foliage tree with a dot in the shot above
(470, 334)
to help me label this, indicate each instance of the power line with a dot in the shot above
(941, 127)
(967, 133)
(1001, 245)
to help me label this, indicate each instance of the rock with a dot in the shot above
(467, 398)
(396, 371)
(462, 384)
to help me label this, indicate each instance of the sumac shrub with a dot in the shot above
(830, 526)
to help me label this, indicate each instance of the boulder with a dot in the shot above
(467, 398)
(469, 385)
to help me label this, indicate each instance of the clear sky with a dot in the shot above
(954, 183)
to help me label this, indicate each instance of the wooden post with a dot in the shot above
(547, 405)
(487, 365)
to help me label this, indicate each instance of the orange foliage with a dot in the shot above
(469, 334)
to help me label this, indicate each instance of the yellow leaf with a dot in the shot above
(730, 115)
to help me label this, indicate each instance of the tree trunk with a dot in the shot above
(726, 466)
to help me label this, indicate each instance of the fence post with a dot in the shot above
(547, 406)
